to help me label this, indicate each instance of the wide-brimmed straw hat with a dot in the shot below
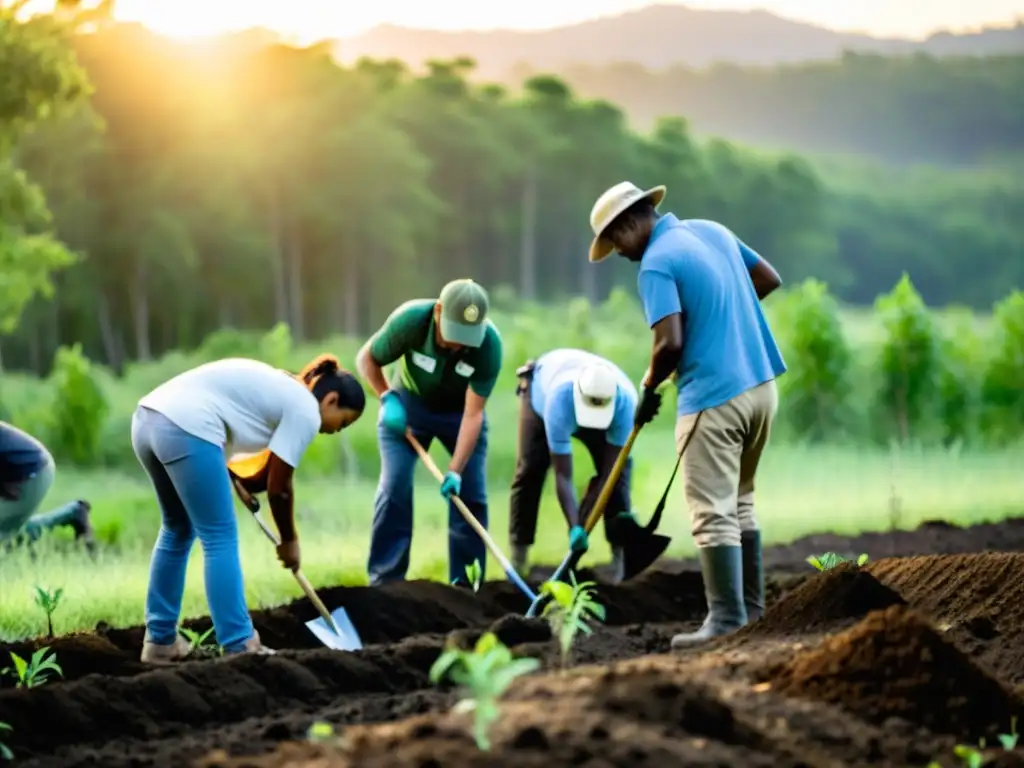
(612, 202)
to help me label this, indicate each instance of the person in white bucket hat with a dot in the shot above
(701, 286)
(567, 394)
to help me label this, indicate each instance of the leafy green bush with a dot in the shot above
(1003, 387)
(909, 366)
(79, 410)
(816, 386)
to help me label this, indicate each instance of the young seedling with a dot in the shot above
(1009, 740)
(48, 601)
(196, 641)
(320, 731)
(569, 610)
(35, 671)
(475, 574)
(970, 757)
(485, 672)
(5, 751)
(830, 560)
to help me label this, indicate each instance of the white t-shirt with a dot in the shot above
(244, 406)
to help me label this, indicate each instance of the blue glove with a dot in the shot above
(392, 412)
(578, 540)
(452, 484)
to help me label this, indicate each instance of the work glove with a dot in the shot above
(392, 412)
(647, 408)
(578, 539)
(452, 484)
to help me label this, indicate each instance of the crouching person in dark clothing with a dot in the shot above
(26, 474)
(566, 394)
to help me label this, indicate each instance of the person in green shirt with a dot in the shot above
(449, 356)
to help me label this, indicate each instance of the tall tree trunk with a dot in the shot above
(108, 332)
(294, 266)
(589, 283)
(140, 311)
(350, 301)
(279, 256)
(528, 238)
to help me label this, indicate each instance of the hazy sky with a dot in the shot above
(309, 20)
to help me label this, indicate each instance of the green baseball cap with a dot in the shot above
(464, 307)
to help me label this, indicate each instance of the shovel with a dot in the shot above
(334, 628)
(473, 522)
(596, 512)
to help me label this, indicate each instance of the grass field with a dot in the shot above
(801, 491)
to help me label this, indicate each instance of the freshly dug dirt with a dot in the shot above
(980, 597)
(895, 664)
(840, 594)
(704, 707)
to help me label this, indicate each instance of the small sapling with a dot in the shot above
(197, 641)
(48, 601)
(475, 573)
(35, 671)
(485, 673)
(569, 610)
(830, 560)
(5, 751)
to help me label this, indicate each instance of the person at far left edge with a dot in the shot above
(449, 356)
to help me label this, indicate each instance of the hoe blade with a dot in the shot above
(345, 639)
(640, 550)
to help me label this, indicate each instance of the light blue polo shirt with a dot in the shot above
(701, 269)
(551, 398)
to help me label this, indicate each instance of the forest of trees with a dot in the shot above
(913, 109)
(202, 188)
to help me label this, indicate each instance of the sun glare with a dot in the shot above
(299, 21)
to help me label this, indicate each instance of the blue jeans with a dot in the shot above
(191, 481)
(391, 538)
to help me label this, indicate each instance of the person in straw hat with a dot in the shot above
(701, 286)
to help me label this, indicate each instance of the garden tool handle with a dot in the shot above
(301, 578)
(609, 484)
(471, 519)
(459, 503)
(250, 501)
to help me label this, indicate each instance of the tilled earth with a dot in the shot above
(892, 664)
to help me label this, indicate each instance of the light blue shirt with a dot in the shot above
(701, 269)
(551, 398)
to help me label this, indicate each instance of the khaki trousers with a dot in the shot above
(721, 462)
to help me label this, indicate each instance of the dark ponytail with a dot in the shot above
(324, 375)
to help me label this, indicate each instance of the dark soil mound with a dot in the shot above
(981, 596)
(384, 615)
(840, 594)
(171, 701)
(894, 664)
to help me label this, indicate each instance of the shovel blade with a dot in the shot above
(346, 639)
(640, 551)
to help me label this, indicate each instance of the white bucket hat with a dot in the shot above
(609, 205)
(593, 397)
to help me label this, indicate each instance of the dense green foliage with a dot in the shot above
(240, 186)
(906, 375)
(903, 109)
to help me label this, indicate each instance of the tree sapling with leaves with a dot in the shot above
(35, 671)
(570, 609)
(485, 672)
(48, 601)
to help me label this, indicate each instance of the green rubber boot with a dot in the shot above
(753, 575)
(722, 569)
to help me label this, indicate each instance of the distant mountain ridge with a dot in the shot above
(658, 37)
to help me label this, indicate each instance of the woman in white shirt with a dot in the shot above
(183, 433)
